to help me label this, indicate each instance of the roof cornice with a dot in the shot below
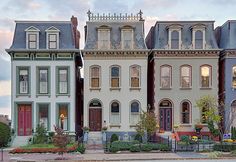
(49, 22)
(42, 50)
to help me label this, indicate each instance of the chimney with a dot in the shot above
(76, 33)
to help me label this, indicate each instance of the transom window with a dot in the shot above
(205, 76)
(95, 77)
(198, 39)
(175, 39)
(185, 112)
(234, 77)
(134, 112)
(24, 81)
(63, 80)
(52, 41)
(185, 76)
(135, 76)
(127, 39)
(115, 113)
(165, 76)
(32, 41)
(115, 76)
(104, 39)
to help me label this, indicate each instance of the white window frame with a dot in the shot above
(132, 38)
(210, 75)
(170, 77)
(24, 85)
(118, 77)
(190, 76)
(172, 28)
(46, 83)
(139, 77)
(100, 43)
(201, 28)
(52, 30)
(29, 31)
(233, 86)
(189, 113)
(112, 114)
(134, 114)
(90, 76)
(60, 82)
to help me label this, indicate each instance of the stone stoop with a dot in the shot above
(20, 141)
(94, 141)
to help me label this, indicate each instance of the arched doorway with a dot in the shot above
(95, 115)
(165, 115)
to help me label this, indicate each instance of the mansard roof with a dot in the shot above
(115, 23)
(66, 38)
(157, 37)
(227, 35)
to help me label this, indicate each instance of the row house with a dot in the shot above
(182, 67)
(115, 68)
(44, 60)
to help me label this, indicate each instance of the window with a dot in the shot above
(134, 112)
(63, 116)
(24, 81)
(115, 113)
(185, 112)
(174, 39)
(104, 39)
(165, 76)
(234, 77)
(32, 41)
(135, 76)
(185, 76)
(198, 39)
(205, 76)
(63, 80)
(95, 77)
(204, 116)
(127, 39)
(43, 115)
(43, 80)
(115, 77)
(233, 113)
(52, 41)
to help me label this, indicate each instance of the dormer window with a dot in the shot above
(103, 37)
(174, 36)
(32, 38)
(127, 34)
(52, 38)
(198, 36)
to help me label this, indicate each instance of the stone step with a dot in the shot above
(20, 141)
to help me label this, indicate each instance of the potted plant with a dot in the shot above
(198, 127)
(85, 129)
(104, 129)
(176, 126)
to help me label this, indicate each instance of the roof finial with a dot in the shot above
(140, 15)
(89, 14)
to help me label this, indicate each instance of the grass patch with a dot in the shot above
(42, 146)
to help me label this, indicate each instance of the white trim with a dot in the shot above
(178, 29)
(37, 39)
(52, 30)
(108, 39)
(32, 29)
(132, 38)
(201, 28)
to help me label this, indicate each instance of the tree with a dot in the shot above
(60, 139)
(210, 114)
(146, 124)
(40, 134)
(5, 134)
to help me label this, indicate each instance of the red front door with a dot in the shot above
(24, 120)
(95, 119)
(166, 119)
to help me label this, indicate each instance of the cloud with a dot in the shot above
(5, 88)
(5, 40)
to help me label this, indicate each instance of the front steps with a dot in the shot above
(20, 141)
(94, 141)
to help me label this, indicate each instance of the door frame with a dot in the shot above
(172, 111)
(100, 108)
(165, 108)
(15, 114)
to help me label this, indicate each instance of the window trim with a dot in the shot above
(210, 75)
(119, 77)
(108, 31)
(130, 77)
(90, 77)
(57, 114)
(32, 30)
(113, 101)
(166, 65)
(49, 113)
(130, 113)
(18, 68)
(57, 80)
(171, 28)
(202, 28)
(38, 68)
(190, 112)
(129, 29)
(190, 76)
(52, 30)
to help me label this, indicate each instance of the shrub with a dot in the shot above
(233, 133)
(224, 147)
(185, 139)
(123, 145)
(138, 137)
(81, 148)
(114, 137)
(146, 147)
(40, 134)
(155, 146)
(60, 139)
(134, 148)
(214, 154)
(114, 149)
(164, 147)
(5, 134)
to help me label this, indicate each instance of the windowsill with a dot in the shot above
(205, 88)
(185, 125)
(115, 126)
(38, 95)
(115, 88)
(25, 95)
(132, 125)
(187, 88)
(135, 88)
(95, 89)
(66, 94)
(165, 88)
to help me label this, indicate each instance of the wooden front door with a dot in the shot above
(95, 119)
(166, 119)
(24, 120)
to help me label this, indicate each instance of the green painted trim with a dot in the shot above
(49, 80)
(49, 113)
(16, 114)
(57, 80)
(18, 68)
(57, 114)
(70, 58)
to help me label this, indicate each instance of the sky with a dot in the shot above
(61, 10)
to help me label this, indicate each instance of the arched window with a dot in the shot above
(234, 77)
(205, 76)
(185, 76)
(165, 76)
(134, 112)
(115, 113)
(185, 112)
(95, 77)
(174, 39)
(115, 76)
(198, 39)
(135, 76)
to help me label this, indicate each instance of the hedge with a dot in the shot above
(224, 147)
(123, 145)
